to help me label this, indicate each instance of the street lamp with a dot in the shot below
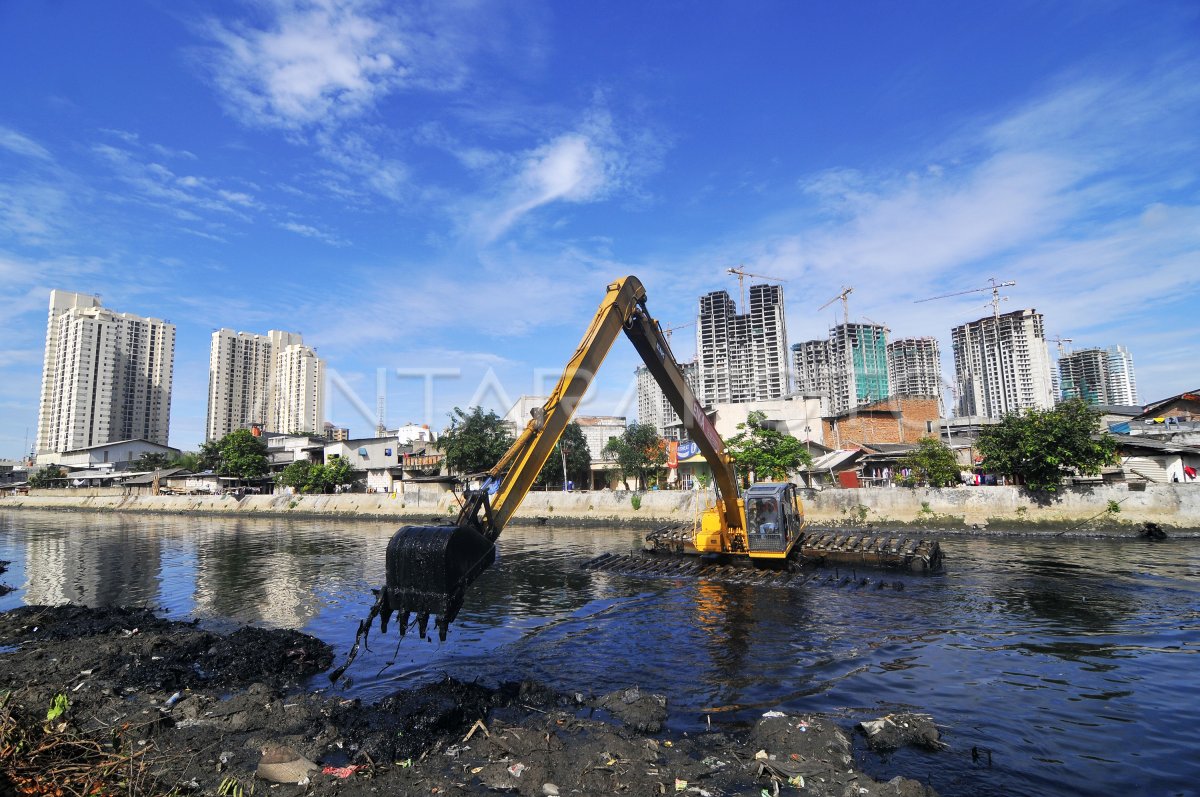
(563, 448)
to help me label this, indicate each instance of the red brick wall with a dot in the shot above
(897, 420)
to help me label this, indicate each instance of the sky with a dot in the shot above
(436, 194)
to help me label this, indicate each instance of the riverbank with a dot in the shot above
(1100, 509)
(108, 700)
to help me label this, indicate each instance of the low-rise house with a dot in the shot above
(118, 455)
(378, 458)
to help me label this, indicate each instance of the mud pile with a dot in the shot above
(197, 712)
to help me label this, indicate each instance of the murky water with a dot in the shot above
(1070, 661)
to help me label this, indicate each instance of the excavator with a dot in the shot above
(429, 568)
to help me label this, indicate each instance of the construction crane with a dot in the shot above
(1060, 342)
(667, 331)
(994, 288)
(844, 296)
(741, 275)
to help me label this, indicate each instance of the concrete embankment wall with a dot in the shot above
(1171, 505)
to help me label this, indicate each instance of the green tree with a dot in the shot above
(209, 456)
(639, 452)
(297, 475)
(152, 461)
(242, 455)
(768, 453)
(1042, 447)
(475, 440)
(42, 476)
(931, 463)
(578, 458)
(313, 477)
(189, 461)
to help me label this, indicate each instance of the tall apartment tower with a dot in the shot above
(1001, 364)
(653, 407)
(272, 380)
(742, 357)
(858, 369)
(914, 367)
(1099, 376)
(1084, 374)
(1122, 385)
(811, 366)
(106, 376)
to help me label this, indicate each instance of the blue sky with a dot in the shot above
(447, 187)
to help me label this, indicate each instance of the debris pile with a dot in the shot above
(184, 710)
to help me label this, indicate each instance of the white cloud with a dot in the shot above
(318, 62)
(22, 145)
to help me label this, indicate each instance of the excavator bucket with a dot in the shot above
(428, 571)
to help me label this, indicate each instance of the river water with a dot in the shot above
(1066, 664)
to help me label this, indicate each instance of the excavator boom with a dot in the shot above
(430, 567)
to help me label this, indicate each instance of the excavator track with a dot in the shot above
(659, 566)
(820, 552)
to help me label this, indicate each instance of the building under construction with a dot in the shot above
(1001, 364)
(914, 367)
(810, 365)
(1098, 376)
(653, 407)
(741, 357)
(859, 369)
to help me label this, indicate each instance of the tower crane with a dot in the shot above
(844, 296)
(1060, 342)
(741, 275)
(994, 288)
(1002, 405)
(668, 330)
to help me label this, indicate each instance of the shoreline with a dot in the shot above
(1101, 510)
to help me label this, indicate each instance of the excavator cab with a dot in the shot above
(773, 521)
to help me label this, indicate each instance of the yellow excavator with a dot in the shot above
(429, 568)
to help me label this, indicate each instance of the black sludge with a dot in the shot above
(428, 571)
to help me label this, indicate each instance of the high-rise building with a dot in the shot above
(858, 366)
(742, 357)
(1001, 364)
(273, 381)
(810, 364)
(1098, 376)
(1084, 374)
(106, 376)
(653, 407)
(1122, 385)
(914, 367)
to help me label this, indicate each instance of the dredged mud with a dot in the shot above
(201, 713)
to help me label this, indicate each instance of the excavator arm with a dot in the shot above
(430, 567)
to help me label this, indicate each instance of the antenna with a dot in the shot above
(741, 275)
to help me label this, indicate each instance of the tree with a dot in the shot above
(189, 461)
(209, 456)
(313, 477)
(638, 452)
(152, 461)
(1042, 447)
(578, 458)
(42, 476)
(769, 454)
(475, 440)
(931, 463)
(242, 455)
